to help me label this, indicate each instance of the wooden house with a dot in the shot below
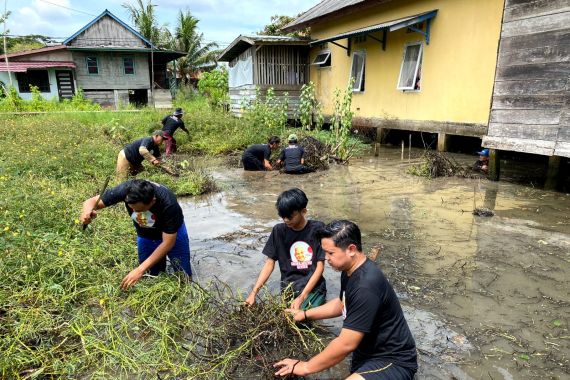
(530, 112)
(110, 61)
(424, 65)
(263, 62)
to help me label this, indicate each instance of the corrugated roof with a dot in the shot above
(326, 8)
(34, 51)
(244, 42)
(23, 66)
(388, 25)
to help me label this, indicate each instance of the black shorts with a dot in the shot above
(252, 163)
(383, 370)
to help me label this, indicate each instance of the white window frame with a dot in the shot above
(358, 87)
(323, 62)
(418, 63)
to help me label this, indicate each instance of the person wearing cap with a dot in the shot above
(159, 223)
(256, 157)
(170, 124)
(292, 157)
(482, 163)
(131, 157)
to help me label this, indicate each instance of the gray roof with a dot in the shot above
(244, 42)
(325, 8)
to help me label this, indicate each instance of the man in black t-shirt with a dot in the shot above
(292, 157)
(374, 327)
(170, 124)
(159, 223)
(294, 245)
(256, 157)
(131, 157)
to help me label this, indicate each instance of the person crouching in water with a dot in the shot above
(295, 246)
(256, 157)
(292, 157)
(482, 164)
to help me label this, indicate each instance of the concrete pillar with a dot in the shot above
(381, 134)
(494, 165)
(553, 173)
(442, 140)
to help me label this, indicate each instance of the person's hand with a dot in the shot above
(297, 314)
(297, 302)
(132, 278)
(289, 367)
(250, 300)
(87, 216)
(156, 162)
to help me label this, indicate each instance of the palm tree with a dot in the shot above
(144, 19)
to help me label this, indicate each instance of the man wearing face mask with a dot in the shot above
(158, 221)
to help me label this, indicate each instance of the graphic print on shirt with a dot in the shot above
(301, 255)
(343, 300)
(145, 219)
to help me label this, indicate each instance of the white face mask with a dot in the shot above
(145, 219)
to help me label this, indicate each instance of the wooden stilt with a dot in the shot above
(552, 175)
(442, 140)
(494, 165)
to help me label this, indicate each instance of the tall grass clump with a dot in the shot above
(12, 102)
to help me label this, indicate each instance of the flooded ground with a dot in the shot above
(486, 297)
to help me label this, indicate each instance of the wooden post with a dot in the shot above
(442, 139)
(381, 134)
(410, 148)
(494, 165)
(376, 149)
(553, 173)
(403, 150)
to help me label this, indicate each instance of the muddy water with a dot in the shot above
(486, 297)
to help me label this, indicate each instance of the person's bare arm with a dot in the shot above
(168, 241)
(296, 304)
(89, 210)
(261, 280)
(148, 156)
(267, 165)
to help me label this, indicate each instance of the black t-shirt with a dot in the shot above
(132, 150)
(372, 307)
(292, 156)
(164, 216)
(170, 124)
(259, 151)
(297, 253)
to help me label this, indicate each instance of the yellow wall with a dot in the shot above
(458, 65)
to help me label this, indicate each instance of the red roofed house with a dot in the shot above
(111, 62)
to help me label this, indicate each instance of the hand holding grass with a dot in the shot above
(132, 278)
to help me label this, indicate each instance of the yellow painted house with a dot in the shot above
(418, 65)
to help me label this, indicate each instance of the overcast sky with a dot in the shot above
(220, 20)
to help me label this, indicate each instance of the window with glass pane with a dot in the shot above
(92, 67)
(129, 66)
(357, 70)
(323, 59)
(410, 71)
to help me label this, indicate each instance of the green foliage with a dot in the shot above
(214, 85)
(310, 109)
(267, 111)
(342, 121)
(274, 28)
(12, 102)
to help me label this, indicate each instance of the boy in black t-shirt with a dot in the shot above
(170, 124)
(292, 157)
(159, 223)
(295, 246)
(130, 159)
(256, 157)
(374, 327)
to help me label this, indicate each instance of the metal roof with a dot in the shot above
(23, 66)
(326, 8)
(388, 25)
(244, 42)
(107, 13)
(35, 51)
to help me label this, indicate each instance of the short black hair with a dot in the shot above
(140, 190)
(274, 140)
(290, 201)
(343, 233)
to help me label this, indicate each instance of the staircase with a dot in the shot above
(162, 98)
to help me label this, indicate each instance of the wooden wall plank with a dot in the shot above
(562, 149)
(545, 148)
(541, 54)
(522, 131)
(555, 70)
(539, 24)
(550, 38)
(532, 87)
(534, 9)
(529, 117)
(546, 102)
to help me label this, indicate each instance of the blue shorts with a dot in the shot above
(179, 255)
(383, 370)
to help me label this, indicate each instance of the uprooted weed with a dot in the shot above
(437, 164)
